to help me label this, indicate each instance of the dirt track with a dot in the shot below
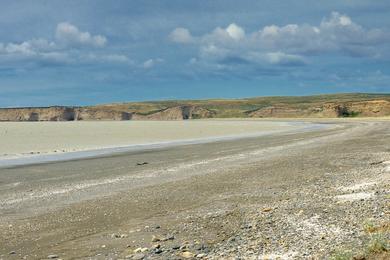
(288, 195)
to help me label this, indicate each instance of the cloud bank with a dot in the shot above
(70, 45)
(291, 44)
(69, 35)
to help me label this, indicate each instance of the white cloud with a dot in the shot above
(66, 36)
(335, 33)
(336, 19)
(291, 43)
(24, 48)
(148, 63)
(70, 35)
(29, 51)
(212, 51)
(281, 58)
(110, 58)
(235, 31)
(151, 63)
(231, 35)
(181, 35)
(30, 47)
(116, 58)
(55, 57)
(63, 50)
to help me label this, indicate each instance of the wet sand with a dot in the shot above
(18, 138)
(43, 142)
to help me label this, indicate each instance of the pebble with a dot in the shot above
(138, 257)
(155, 238)
(158, 251)
(140, 250)
(170, 237)
(187, 254)
(305, 225)
(52, 256)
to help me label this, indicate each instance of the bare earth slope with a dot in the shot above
(323, 106)
(291, 195)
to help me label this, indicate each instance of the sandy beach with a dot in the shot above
(292, 195)
(35, 139)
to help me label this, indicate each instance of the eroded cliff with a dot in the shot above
(322, 106)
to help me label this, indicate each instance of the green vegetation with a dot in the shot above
(369, 227)
(225, 108)
(378, 244)
(342, 255)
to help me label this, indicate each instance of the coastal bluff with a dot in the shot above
(320, 106)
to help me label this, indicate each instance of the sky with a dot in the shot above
(84, 52)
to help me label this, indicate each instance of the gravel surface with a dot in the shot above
(313, 195)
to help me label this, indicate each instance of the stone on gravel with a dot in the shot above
(138, 257)
(158, 251)
(140, 249)
(156, 239)
(170, 237)
(187, 255)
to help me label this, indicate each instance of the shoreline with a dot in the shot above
(57, 156)
(323, 184)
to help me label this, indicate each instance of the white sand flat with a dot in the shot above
(29, 142)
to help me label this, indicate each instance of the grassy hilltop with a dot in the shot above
(231, 108)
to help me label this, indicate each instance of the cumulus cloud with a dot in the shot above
(39, 50)
(181, 35)
(336, 33)
(231, 35)
(103, 58)
(288, 45)
(151, 63)
(30, 47)
(70, 45)
(285, 59)
(69, 34)
(235, 31)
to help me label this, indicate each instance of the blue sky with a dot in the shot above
(84, 52)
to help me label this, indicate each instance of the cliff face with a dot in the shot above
(74, 114)
(37, 114)
(176, 113)
(339, 109)
(60, 114)
(279, 107)
(371, 108)
(97, 114)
